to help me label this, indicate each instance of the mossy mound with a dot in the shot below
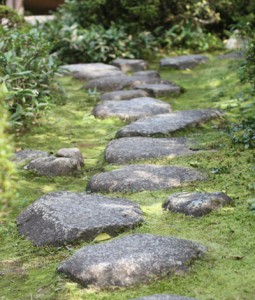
(10, 19)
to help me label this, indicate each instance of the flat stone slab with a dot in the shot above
(92, 70)
(165, 297)
(130, 260)
(33, 20)
(196, 204)
(168, 123)
(114, 83)
(123, 95)
(232, 55)
(131, 110)
(182, 62)
(130, 65)
(53, 166)
(130, 149)
(136, 178)
(158, 90)
(148, 73)
(24, 156)
(63, 217)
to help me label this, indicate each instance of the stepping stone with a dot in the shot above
(130, 149)
(33, 20)
(165, 297)
(158, 90)
(123, 95)
(135, 178)
(130, 260)
(53, 166)
(130, 65)
(92, 70)
(27, 155)
(196, 204)
(114, 83)
(62, 217)
(168, 123)
(74, 153)
(131, 110)
(148, 73)
(232, 55)
(182, 62)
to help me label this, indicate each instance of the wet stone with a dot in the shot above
(123, 95)
(130, 149)
(53, 166)
(164, 297)
(182, 62)
(131, 110)
(148, 73)
(130, 260)
(24, 156)
(136, 178)
(92, 70)
(130, 65)
(168, 123)
(196, 204)
(114, 83)
(63, 217)
(158, 90)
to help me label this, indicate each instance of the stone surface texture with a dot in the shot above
(33, 20)
(131, 260)
(73, 153)
(62, 217)
(164, 297)
(123, 95)
(158, 90)
(130, 65)
(114, 83)
(24, 156)
(196, 204)
(183, 62)
(53, 166)
(131, 110)
(130, 149)
(92, 70)
(233, 55)
(135, 178)
(168, 123)
(148, 73)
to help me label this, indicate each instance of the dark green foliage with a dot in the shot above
(26, 74)
(9, 18)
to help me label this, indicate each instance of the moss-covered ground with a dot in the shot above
(226, 272)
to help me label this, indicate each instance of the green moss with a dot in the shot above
(226, 271)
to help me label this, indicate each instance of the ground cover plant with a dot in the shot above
(226, 272)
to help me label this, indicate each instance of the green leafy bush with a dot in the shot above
(9, 18)
(26, 74)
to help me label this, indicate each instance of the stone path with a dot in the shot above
(130, 149)
(131, 110)
(131, 259)
(63, 217)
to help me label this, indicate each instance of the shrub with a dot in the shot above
(9, 18)
(26, 73)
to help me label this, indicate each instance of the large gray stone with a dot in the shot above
(24, 156)
(232, 55)
(196, 204)
(123, 95)
(182, 62)
(53, 166)
(73, 153)
(133, 259)
(164, 297)
(131, 110)
(33, 20)
(159, 90)
(136, 178)
(130, 65)
(92, 70)
(114, 83)
(148, 73)
(130, 149)
(168, 123)
(62, 217)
